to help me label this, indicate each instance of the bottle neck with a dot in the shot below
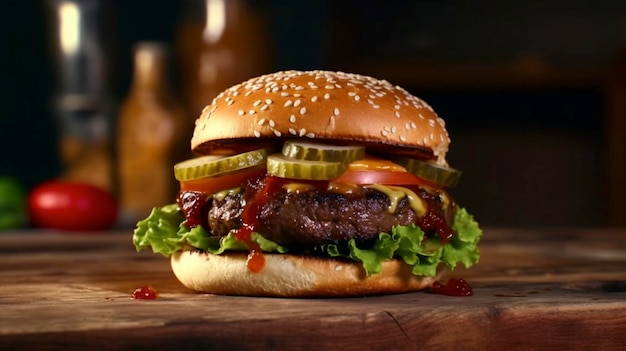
(151, 69)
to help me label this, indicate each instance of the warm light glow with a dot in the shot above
(215, 20)
(69, 18)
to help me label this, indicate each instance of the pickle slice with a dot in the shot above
(212, 165)
(445, 176)
(320, 152)
(285, 167)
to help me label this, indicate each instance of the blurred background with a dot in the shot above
(533, 92)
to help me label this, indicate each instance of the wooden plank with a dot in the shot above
(533, 290)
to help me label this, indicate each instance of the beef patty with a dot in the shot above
(318, 217)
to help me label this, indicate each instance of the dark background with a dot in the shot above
(522, 86)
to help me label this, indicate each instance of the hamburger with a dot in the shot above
(310, 184)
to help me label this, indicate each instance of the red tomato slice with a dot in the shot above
(380, 177)
(212, 185)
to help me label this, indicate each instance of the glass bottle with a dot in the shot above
(152, 136)
(221, 43)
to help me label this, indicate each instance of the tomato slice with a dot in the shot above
(212, 185)
(380, 177)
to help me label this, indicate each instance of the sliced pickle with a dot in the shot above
(212, 165)
(320, 152)
(285, 167)
(445, 176)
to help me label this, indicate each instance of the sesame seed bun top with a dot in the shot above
(326, 106)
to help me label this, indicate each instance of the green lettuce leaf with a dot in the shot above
(165, 233)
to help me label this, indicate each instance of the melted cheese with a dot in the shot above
(297, 187)
(220, 195)
(370, 163)
(397, 193)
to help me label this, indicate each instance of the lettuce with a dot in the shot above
(163, 230)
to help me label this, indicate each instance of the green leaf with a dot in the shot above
(159, 231)
(165, 233)
(463, 247)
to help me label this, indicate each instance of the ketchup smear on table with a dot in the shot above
(454, 287)
(145, 293)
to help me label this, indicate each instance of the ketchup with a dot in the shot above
(435, 219)
(454, 287)
(250, 218)
(193, 205)
(145, 293)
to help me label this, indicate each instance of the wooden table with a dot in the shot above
(533, 289)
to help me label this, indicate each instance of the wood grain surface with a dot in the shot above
(533, 289)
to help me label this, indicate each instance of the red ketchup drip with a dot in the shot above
(145, 293)
(435, 220)
(454, 287)
(250, 219)
(193, 204)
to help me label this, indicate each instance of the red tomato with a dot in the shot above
(380, 177)
(211, 185)
(71, 206)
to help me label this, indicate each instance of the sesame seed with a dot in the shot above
(288, 103)
(284, 94)
(420, 115)
(274, 89)
(336, 111)
(292, 119)
(303, 110)
(431, 123)
(396, 113)
(394, 129)
(351, 93)
(431, 136)
(268, 101)
(299, 88)
(252, 112)
(297, 95)
(257, 134)
(235, 93)
(402, 138)
(230, 102)
(384, 133)
(397, 107)
(357, 98)
(277, 133)
(302, 132)
(261, 121)
(337, 86)
(329, 86)
(297, 103)
(241, 112)
(272, 123)
(264, 107)
(314, 98)
(326, 96)
(310, 135)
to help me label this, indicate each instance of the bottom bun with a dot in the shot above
(292, 276)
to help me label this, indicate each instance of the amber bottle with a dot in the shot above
(153, 134)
